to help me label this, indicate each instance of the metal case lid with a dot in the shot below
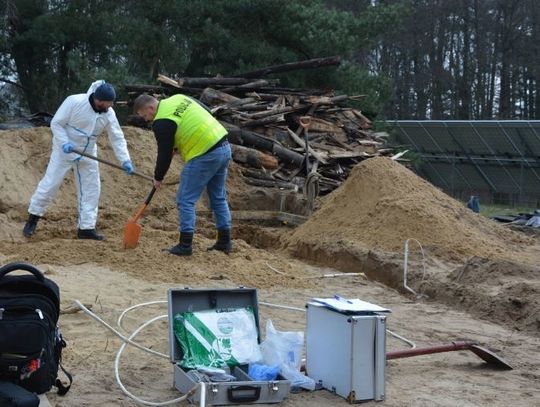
(192, 300)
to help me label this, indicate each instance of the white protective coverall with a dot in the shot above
(76, 122)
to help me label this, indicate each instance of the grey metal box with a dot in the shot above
(346, 353)
(243, 391)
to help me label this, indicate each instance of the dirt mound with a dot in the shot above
(383, 203)
(472, 262)
(502, 291)
(477, 270)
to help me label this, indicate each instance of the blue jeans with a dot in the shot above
(206, 171)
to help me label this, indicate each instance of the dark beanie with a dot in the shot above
(105, 92)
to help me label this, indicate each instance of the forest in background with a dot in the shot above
(412, 59)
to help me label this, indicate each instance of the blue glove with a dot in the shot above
(67, 147)
(263, 372)
(128, 166)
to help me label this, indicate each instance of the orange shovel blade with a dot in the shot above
(132, 232)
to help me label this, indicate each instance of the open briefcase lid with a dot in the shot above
(192, 300)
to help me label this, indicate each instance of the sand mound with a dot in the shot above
(503, 291)
(383, 203)
(473, 263)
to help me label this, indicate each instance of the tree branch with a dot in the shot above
(12, 83)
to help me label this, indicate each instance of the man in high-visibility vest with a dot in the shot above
(182, 124)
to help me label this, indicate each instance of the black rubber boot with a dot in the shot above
(223, 243)
(183, 248)
(30, 226)
(90, 234)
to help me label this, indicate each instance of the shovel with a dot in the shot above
(486, 355)
(132, 230)
(101, 160)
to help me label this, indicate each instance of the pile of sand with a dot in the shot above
(473, 263)
(383, 203)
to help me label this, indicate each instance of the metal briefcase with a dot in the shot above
(244, 390)
(346, 353)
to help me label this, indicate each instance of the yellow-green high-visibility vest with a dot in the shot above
(197, 130)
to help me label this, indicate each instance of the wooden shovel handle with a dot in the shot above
(101, 160)
(143, 207)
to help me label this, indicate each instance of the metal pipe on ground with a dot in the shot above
(486, 355)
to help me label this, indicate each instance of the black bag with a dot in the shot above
(30, 341)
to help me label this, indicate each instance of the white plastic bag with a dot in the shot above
(284, 349)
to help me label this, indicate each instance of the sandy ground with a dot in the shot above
(451, 379)
(483, 281)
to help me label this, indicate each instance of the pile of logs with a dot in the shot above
(269, 125)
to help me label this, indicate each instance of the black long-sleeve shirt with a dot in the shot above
(164, 131)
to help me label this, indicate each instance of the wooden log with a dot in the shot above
(339, 143)
(263, 96)
(364, 121)
(274, 90)
(270, 184)
(337, 155)
(254, 158)
(235, 104)
(212, 96)
(302, 144)
(274, 112)
(264, 121)
(370, 143)
(202, 82)
(253, 107)
(168, 81)
(252, 85)
(259, 174)
(251, 139)
(292, 66)
(318, 124)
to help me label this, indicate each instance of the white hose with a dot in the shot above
(131, 395)
(402, 338)
(120, 351)
(203, 395)
(268, 304)
(119, 322)
(110, 328)
(406, 265)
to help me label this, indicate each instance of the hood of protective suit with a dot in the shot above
(94, 86)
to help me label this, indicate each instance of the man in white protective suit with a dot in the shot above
(76, 125)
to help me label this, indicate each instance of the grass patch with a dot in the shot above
(492, 210)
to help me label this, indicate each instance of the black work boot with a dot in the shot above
(30, 226)
(183, 248)
(223, 243)
(90, 234)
